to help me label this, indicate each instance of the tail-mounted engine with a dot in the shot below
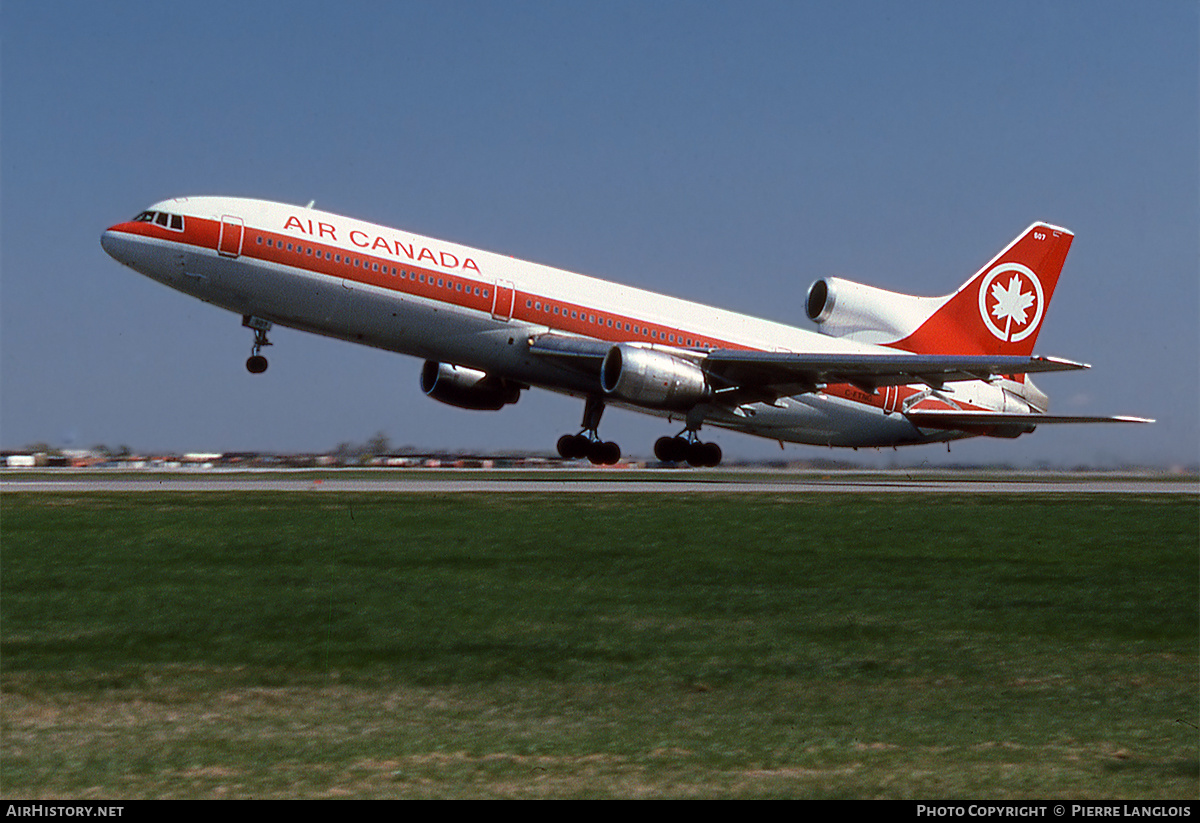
(467, 388)
(843, 308)
(652, 378)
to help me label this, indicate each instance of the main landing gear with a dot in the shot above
(686, 447)
(256, 363)
(588, 443)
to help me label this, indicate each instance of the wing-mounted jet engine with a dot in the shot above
(467, 388)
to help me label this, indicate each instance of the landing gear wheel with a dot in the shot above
(588, 443)
(714, 454)
(703, 455)
(257, 364)
(671, 449)
(682, 450)
(564, 447)
(603, 452)
(573, 446)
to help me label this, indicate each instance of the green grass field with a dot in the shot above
(325, 645)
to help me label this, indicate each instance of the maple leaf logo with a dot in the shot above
(1010, 302)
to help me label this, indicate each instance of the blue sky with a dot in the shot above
(726, 153)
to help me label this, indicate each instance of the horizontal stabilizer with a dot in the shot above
(956, 419)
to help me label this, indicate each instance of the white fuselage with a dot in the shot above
(344, 278)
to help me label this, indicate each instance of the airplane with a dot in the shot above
(883, 368)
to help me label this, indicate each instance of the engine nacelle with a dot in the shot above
(652, 378)
(843, 308)
(467, 388)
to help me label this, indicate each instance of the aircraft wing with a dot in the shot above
(757, 375)
(786, 373)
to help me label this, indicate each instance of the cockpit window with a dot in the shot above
(162, 218)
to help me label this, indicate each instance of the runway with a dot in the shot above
(671, 482)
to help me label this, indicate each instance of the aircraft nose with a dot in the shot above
(115, 243)
(108, 242)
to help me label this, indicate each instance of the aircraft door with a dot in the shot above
(504, 297)
(229, 242)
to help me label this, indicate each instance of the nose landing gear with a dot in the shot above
(256, 363)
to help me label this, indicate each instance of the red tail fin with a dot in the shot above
(999, 310)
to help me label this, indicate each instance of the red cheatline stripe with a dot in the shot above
(466, 292)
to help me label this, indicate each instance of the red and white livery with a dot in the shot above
(885, 369)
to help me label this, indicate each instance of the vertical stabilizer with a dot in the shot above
(1000, 310)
